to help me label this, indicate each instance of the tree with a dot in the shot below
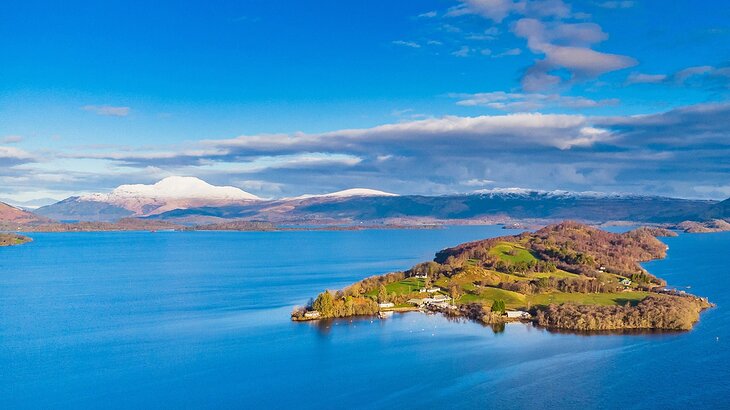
(324, 304)
(498, 306)
(455, 292)
(382, 294)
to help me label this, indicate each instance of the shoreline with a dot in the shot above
(549, 277)
(637, 331)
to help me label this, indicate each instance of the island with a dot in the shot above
(564, 276)
(10, 239)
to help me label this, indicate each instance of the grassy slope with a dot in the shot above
(511, 252)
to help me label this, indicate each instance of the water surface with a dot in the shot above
(200, 319)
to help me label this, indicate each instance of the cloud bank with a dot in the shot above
(682, 152)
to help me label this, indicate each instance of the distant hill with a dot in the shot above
(12, 215)
(719, 211)
(77, 209)
(190, 201)
(503, 205)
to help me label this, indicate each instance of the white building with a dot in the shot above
(312, 314)
(386, 305)
(517, 314)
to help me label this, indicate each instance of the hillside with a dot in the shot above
(191, 201)
(171, 193)
(566, 275)
(719, 211)
(496, 207)
(16, 216)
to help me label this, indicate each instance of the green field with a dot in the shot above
(511, 299)
(402, 287)
(511, 252)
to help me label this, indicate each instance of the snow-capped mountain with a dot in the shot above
(166, 195)
(174, 188)
(191, 200)
(348, 193)
(526, 192)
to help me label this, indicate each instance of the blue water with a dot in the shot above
(200, 320)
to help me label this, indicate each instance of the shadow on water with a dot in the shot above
(617, 332)
(324, 327)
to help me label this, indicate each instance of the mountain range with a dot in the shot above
(191, 201)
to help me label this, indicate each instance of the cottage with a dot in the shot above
(420, 276)
(432, 290)
(386, 305)
(416, 301)
(517, 314)
(312, 314)
(625, 282)
(439, 298)
(431, 300)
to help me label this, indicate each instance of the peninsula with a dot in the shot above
(564, 276)
(10, 239)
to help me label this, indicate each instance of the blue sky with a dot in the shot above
(288, 97)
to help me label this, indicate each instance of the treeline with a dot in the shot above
(339, 305)
(124, 224)
(602, 284)
(521, 267)
(654, 312)
(354, 299)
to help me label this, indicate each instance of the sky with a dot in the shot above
(282, 98)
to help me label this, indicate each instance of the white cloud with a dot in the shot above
(406, 43)
(625, 4)
(478, 182)
(14, 155)
(528, 102)
(664, 153)
(640, 78)
(498, 10)
(703, 76)
(108, 110)
(510, 52)
(12, 139)
(566, 45)
(463, 51)
(428, 14)
(683, 75)
(11, 160)
(495, 10)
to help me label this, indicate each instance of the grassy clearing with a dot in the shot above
(560, 274)
(402, 287)
(511, 252)
(511, 299)
(605, 299)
